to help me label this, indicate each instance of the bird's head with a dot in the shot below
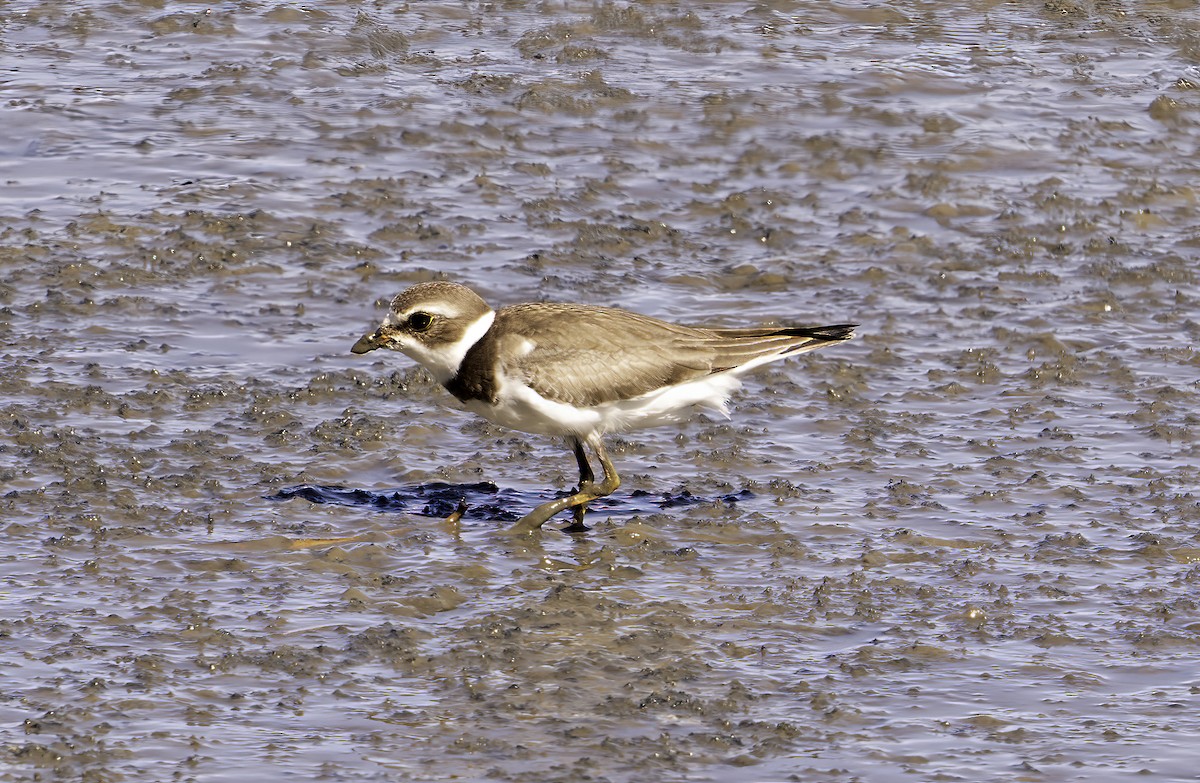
(433, 323)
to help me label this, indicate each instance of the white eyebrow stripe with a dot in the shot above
(399, 319)
(432, 309)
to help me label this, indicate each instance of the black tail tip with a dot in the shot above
(834, 333)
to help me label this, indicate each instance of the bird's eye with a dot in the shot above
(419, 322)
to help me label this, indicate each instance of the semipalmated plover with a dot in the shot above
(577, 371)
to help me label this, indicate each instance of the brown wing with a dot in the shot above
(588, 355)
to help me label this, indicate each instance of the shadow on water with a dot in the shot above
(486, 500)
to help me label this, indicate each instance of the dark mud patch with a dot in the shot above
(485, 500)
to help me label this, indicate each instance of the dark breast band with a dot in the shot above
(476, 376)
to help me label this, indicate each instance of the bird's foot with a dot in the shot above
(451, 523)
(577, 525)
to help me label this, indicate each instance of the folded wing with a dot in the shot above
(617, 355)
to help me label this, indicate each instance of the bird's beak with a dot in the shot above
(367, 343)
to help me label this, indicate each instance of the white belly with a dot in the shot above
(520, 408)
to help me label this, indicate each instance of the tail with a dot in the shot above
(817, 336)
(744, 349)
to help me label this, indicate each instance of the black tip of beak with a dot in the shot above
(366, 343)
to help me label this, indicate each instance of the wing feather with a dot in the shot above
(592, 363)
(584, 355)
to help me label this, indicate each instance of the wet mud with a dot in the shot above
(962, 547)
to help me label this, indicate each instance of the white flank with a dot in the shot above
(519, 407)
(666, 404)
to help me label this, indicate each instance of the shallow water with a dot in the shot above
(962, 547)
